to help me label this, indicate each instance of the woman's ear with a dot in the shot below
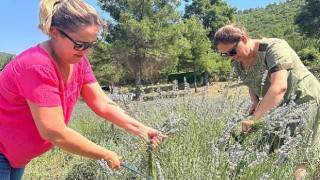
(54, 33)
(244, 39)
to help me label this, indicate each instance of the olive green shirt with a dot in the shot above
(274, 55)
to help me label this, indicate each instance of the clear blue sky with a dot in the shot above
(19, 20)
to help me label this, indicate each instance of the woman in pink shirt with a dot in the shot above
(40, 87)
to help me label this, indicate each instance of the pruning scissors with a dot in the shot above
(103, 163)
(134, 170)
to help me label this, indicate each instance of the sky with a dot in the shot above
(19, 21)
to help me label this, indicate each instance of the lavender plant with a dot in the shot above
(200, 143)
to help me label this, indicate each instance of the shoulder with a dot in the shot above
(272, 42)
(31, 61)
(275, 43)
(34, 56)
(84, 66)
(276, 47)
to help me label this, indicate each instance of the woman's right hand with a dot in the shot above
(113, 160)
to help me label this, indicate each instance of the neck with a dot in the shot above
(56, 58)
(65, 69)
(252, 55)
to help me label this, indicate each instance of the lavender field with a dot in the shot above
(205, 141)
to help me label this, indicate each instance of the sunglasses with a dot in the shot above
(79, 46)
(232, 51)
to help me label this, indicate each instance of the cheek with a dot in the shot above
(242, 52)
(222, 48)
(66, 52)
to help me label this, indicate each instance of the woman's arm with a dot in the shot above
(254, 100)
(103, 106)
(51, 126)
(273, 96)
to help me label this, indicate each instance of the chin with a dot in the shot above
(74, 60)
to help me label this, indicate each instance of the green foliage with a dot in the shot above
(195, 126)
(197, 56)
(279, 20)
(308, 19)
(310, 56)
(276, 20)
(149, 39)
(212, 14)
(5, 58)
(223, 70)
(146, 38)
(107, 70)
(188, 75)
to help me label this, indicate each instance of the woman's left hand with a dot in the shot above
(154, 137)
(246, 126)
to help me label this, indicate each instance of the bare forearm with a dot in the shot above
(73, 142)
(271, 99)
(119, 117)
(104, 107)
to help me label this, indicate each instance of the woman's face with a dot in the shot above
(70, 47)
(236, 50)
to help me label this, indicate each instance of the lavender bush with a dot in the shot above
(203, 141)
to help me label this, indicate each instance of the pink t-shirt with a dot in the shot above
(33, 75)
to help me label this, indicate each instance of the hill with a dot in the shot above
(276, 20)
(3, 54)
(5, 58)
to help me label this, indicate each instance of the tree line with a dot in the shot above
(148, 40)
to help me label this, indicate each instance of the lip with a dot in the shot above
(79, 56)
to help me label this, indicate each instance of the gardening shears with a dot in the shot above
(133, 170)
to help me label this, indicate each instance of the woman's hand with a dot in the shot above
(152, 136)
(246, 126)
(113, 160)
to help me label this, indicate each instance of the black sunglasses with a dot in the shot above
(79, 46)
(232, 51)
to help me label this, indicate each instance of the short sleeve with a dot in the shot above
(278, 56)
(40, 85)
(88, 73)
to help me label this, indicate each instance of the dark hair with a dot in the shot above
(229, 34)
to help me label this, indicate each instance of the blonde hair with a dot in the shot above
(68, 15)
(229, 34)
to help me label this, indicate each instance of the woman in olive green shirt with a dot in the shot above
(285, 75)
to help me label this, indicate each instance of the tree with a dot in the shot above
(310, 56)
(212, 13)
(107, 70)
(145, 35)
(198, 56)
(5, 58)
(308, 19)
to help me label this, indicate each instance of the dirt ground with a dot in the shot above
(219, 88)
(214, 89)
